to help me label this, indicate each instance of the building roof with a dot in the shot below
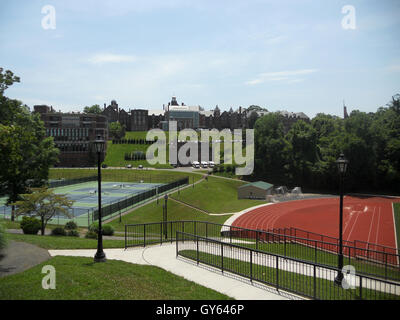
(259, 184)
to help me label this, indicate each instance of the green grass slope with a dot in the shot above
(217, 195)
(79, 278)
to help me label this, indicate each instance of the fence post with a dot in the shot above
(171, 231)
(385, 265)
(161, 231)
(222, 257)
(176, 243)
(284, 244)
(257, 235)
(315, 282)
(125, 237)
(360, 287)
(197, 250)
(315, 251)
(277, 272)
(144, 235)
(251, 265)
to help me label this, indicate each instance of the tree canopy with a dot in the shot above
(26, 152)
(93, 109)
(305, 156)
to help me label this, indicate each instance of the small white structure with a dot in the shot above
(204, 164)
(211, 164)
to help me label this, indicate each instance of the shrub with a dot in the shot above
(94, 227)
(73, 233)
(71, 225)
(91, 235)
(30, 225)
(59, 231)
(108, 230)
(3, 240)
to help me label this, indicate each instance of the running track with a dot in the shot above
(364, 219)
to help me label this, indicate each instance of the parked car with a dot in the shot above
(140, 166)
(204, 164)
(104, 165)
(129, 166)
(196, 164)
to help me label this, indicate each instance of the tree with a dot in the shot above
(252, 119)
(26, 152)
(6, 79)
(43, 203)
(93, 109)
(116, 130)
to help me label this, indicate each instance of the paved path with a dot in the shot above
(164, 256)
(20, 256)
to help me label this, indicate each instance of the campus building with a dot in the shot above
(190, 117)
(74, 134)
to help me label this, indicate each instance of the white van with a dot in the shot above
(211, 164)
(204, 164)
(196, 164)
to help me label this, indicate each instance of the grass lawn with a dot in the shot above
(115, 156)
(153, 213)
(61, 242)
(396, 207)
(217, 196)
(79, 278)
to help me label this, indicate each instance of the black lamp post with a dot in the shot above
(100, 255)
(165, 217)
(342, 163)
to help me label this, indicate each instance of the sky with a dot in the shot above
(295, 55)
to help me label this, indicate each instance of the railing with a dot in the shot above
(379, 264)
(317, 236)
(119, 205)
(294, 275)
(67, 182)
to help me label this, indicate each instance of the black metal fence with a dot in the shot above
(67, 182)
(117, 206)
(294, 275)
(366, 246)
(380, 264)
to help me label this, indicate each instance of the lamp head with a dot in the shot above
(342, 163)
(99, 144)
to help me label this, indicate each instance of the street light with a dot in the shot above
(100, 255)
(342, 164)
(165, 217)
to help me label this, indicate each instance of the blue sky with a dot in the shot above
(283, 55)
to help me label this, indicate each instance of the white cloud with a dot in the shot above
(281, 76)
(111, 58)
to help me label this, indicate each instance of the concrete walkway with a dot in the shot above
(164, 256)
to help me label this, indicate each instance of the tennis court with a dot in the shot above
(85, 196)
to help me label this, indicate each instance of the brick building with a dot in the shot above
(74, 134)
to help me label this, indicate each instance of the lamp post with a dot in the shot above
(100, 255)
(342, 163)
(165, 217)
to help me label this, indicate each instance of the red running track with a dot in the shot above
(364, 219)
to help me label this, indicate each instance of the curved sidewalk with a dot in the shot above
(164, 256)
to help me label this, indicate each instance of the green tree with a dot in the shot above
(43, 203)
(270, 148)
(26, 152)
(93, 109)
(116, 130)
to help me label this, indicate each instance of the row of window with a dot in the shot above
(65, 147)
(68, 132)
